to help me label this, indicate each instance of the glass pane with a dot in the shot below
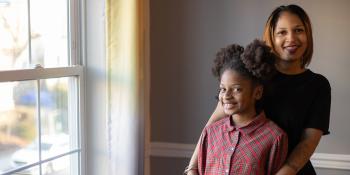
(49, 32)
(58, 102)
(18, 124)
(48, 44)
(62, 166)
(30, 171)
(14, 51)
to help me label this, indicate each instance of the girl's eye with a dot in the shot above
(222, 90)
(237, 89)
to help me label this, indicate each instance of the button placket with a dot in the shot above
(235, 137)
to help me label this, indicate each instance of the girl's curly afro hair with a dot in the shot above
(255, 62)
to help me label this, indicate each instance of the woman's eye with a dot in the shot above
(281, 33)
(299, 30)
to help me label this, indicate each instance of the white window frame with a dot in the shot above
(76, 33)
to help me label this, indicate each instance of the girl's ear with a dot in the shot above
(258, 92)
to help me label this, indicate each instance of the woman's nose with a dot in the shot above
(291, 36)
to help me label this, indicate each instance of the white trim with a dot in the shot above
(40, 73)
(29, 34)
(331, 161)
(180, 150)
(164, 149)
(81, 124)
(80, 59)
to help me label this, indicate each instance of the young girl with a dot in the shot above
(245, 142)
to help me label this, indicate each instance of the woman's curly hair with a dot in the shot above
(255, 62)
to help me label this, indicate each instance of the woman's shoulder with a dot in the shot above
(319, 79)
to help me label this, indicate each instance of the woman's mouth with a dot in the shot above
(291, 49)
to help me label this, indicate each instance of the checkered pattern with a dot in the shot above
(259, 148)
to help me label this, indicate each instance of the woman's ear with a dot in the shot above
(258, 92)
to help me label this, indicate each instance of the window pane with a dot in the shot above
(18, 124)
(67, 165)
(49, 32)
(30, 171)
(58, 102)
(48, 28)
(14, 34)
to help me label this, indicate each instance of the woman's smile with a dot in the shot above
(291, 49)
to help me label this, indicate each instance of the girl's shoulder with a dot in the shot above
(274, 129)
(221, 124)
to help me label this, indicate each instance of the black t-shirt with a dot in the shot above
(296, 102)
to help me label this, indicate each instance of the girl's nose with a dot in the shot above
(228, 94)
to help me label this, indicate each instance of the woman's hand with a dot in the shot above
(217, 114)
(302, 152)
(286, 170)
(191, 169)
(193, 172)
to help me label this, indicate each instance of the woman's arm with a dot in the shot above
(302, 152)
(217, 115)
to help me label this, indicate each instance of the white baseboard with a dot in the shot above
(164, 149)
(180, 150)
(331, 161)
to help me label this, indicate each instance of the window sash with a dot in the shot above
(40, 73)
(76, 55)
(47, 73)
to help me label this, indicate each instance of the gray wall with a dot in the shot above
(185, 35)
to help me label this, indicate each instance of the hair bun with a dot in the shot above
(259, 60)
(225, 55)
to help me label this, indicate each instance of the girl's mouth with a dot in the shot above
(229, 105)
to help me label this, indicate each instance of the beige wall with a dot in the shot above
(185, 35)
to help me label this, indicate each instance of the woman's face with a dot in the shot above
(237, 94)
(290, 40)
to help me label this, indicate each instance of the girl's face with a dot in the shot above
(290, 40)
(237, 94)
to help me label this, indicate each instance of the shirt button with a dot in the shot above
(232, 148)
(226, 170)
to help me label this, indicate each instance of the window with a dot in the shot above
(41, 87)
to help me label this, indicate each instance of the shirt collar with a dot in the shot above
(247, 129)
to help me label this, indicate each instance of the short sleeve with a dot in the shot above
(278, 154)
(319, 113)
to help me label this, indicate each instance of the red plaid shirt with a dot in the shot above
(259, 148)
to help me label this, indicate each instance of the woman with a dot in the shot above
(297, 99)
